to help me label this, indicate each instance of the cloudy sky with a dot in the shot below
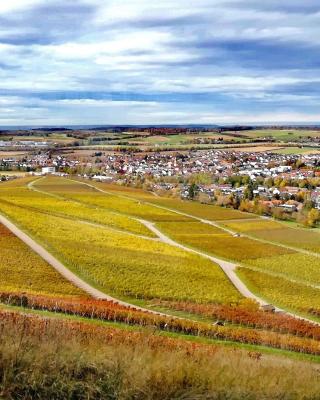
(165, 61)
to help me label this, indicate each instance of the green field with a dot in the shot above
(298, 150)
(285, 135)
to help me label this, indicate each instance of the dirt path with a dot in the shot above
(227, 267)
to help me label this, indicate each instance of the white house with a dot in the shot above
(48, 170)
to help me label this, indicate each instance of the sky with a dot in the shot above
(94, 62)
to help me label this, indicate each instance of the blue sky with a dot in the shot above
(152, 62)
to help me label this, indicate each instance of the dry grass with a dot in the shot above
(51, 365)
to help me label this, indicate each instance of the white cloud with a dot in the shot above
(261, 118)
(14, 5)
(160, 48)
(106, 103)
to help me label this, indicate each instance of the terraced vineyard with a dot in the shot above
(293, 267)
(23, 270)
(209, 212)
(283, 292)
(108, 240)
(115, 203)
(67, 208)
(123, 264)
(218, 242)
(302, 238)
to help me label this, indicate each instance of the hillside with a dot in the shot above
(144, 279)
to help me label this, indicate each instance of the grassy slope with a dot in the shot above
(61, 365)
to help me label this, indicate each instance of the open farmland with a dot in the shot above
(179, 139)
(285, 135)
(298, 150)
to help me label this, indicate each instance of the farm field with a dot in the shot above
(281, 134)
(284, 292)
(298, 150)
(219, 243)
(274, 231)
(112, 253)
(210, 212)
(105, 312)
(254, 148)
(87, 195)
(278, 261)
(15, 154)
(38, 137)
(268, 258)
(33, 200)
(13, 173)
(178, 139)
(296, 266)
(118, 263)
(21, 270)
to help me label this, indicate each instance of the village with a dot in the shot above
(276, 184)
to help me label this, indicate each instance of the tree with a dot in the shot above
(313, 217)
(248, 193)
(193, 189)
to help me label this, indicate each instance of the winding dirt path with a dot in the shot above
(227, 267)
